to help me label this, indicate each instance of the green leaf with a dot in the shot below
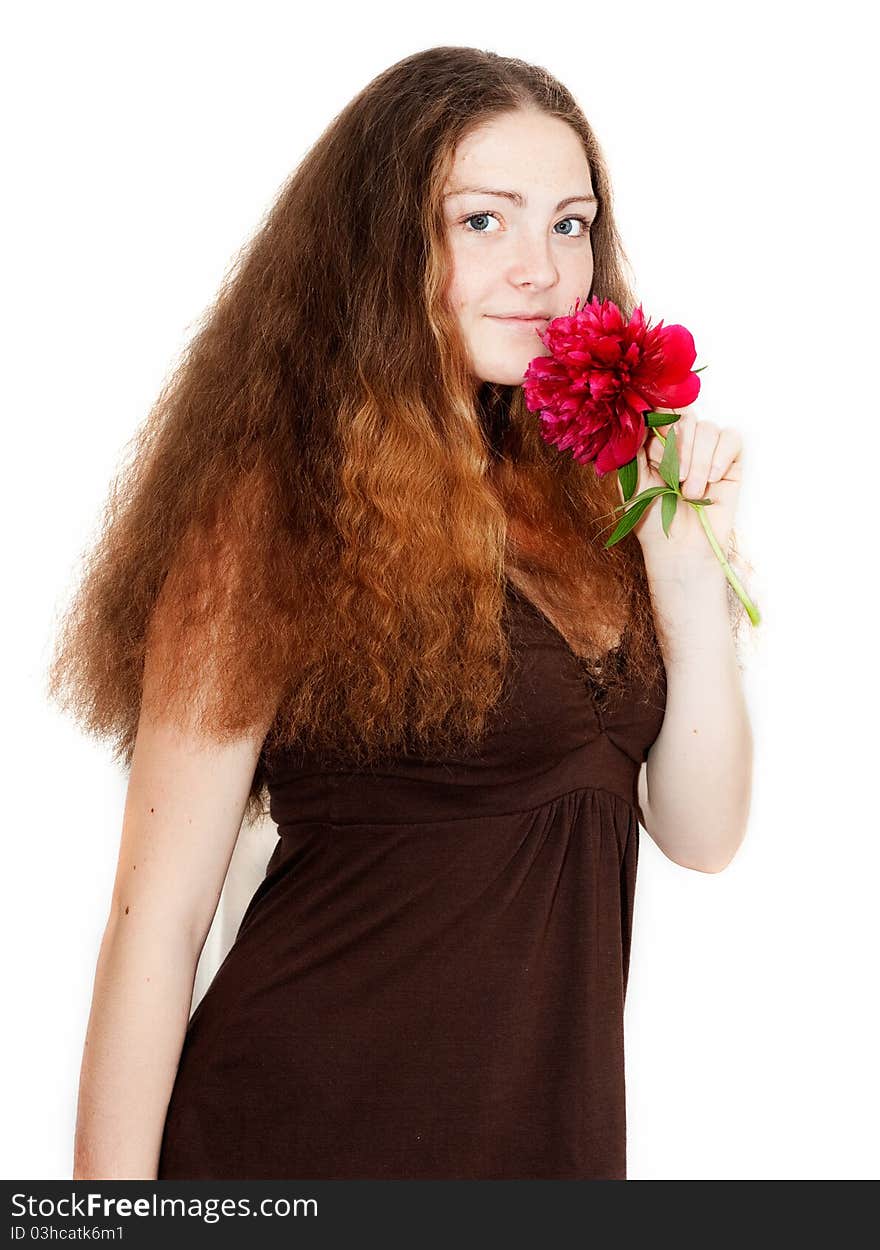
(653, 419)
(649, 493)
(627, 521)
(700, 370)
(667, 510)
(668, 467)
(628, 476)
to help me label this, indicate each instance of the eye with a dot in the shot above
(585, 223)
(477, 216)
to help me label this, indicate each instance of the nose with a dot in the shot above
(532, 261)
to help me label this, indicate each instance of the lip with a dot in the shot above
(518, 317)
(527, 323)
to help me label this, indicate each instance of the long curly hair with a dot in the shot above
(312, 528)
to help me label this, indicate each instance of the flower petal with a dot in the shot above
(677, 351)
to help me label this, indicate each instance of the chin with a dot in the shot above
(503, 377)
(510, 373)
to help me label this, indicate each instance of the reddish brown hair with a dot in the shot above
(315, 520)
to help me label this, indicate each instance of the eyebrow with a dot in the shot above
(517, 197)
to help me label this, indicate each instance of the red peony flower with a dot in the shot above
(603, 373)
(601, 389)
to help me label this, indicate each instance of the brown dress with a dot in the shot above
(429, 982)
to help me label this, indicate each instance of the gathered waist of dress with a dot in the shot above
(412, 793)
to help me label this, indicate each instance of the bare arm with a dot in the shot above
(183, 813)
(698, 774)
(140, 1009)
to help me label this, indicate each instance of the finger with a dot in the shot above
(727, 459)
(653, 450)
(695, 471)
(645, 475)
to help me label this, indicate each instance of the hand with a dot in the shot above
(703, 449)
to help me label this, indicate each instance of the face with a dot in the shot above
(524, 252)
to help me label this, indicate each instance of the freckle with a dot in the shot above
(126, 911)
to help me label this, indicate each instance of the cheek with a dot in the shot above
(580, 282)
(470, 278)
(464, 294)
(456, 293)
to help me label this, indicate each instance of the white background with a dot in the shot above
(142, 147)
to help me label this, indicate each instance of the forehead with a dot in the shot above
(532, 153)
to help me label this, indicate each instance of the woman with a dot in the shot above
(344, 571)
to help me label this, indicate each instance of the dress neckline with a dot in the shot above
(558, 634)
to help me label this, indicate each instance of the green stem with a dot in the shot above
(750, 607)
